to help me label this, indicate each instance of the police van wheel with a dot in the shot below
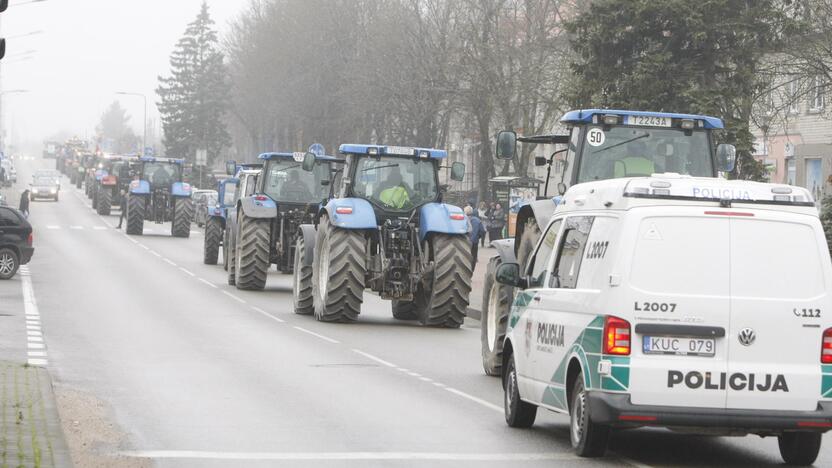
(105, 201)
(302, 281)
(338, 273)
(135, 215)
(252, 253)
(799, 448)
(588, 438)
(496, 302)
(405, 310)
(518, 412)
(211, 246)
(183, 213)
(442, 298)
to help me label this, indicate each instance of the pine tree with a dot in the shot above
(114, 133)
(194, 98)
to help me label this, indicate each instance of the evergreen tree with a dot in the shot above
(114, 133)
(194, 98)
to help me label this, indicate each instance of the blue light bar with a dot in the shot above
(395, 151)
(586, 115)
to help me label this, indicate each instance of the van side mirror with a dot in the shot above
(231, 167)
(509, 274)
(308, 164)
(458, 171)
(506, 144)
(726, 157)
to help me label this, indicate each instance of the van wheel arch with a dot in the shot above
(572, 372)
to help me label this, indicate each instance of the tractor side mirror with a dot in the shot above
(458, 171)
(509, 274)
(540, 161)
(308, 162)
(726, 157)
(506, 144)
(231, 167)
(561, 188)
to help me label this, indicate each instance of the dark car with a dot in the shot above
(15, 242)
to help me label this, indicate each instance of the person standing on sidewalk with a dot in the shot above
(482, 213)
(476, 231)
(123, 208)
(496, 223)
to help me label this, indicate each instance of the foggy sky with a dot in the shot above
(89, 49)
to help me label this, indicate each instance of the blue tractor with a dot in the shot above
(159, 195)
(268, 219)
(216, 218)
(386, 229)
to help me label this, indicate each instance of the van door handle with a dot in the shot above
(536, 298)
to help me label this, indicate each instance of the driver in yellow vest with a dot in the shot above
(397, 194)
(637, 163)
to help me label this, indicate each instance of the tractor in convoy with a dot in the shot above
(385, 228)
(601, 144)
(269, 219)
(246, 181)
(159, 195)
(112, 179)
(217, 215)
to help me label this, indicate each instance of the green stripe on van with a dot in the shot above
(826, 381)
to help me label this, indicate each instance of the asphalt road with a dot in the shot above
(200, 374)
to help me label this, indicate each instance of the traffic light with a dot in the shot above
(4, 4)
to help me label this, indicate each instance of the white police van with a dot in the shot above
(701, 305)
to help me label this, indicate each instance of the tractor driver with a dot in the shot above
(636, 162)
(160, 177)
(295, 188)
(396, 193)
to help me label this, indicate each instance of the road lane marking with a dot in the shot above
(34, 338)
(208, 282)
(186, 272)
(53, 227)
(373, 358)
(77, 228)
(169, 262)
(38, 362)
(321, 456)
(325, 338)
(99, 228)
(480, 401)
(155, 253)
(263, 312)
(144, 246)
(33, 332)
(241, 301)
(37, 353)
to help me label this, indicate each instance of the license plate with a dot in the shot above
(679, 346)
(648, 121)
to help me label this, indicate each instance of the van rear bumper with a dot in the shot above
(615, 409)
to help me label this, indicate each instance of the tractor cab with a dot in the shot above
(161, 173)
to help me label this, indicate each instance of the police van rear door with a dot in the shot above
(780, 307)
(678, 297)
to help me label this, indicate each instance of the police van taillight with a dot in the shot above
(826, 347)
(616, 336)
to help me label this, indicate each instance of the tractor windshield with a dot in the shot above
(637, 151)
(396, 183)
(161, 174)
(286, 181)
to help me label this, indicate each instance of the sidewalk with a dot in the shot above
(31, 430)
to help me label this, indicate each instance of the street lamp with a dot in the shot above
(144, 138)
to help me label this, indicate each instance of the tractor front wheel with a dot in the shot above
(338, 275)
(104, 201)
(442, 297)
(183, 213)
(211, 246)
(302, 284)
(135, 215)
(252, 253)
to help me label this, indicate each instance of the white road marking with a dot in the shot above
(208, 282)
(53, 227)
(325, 338)
(261, 311)
(37, 353)
(33, 332)
(155, 253)
(186, 272)
(241, 301)
(132, 240)
(77, 228)
(480, 401)
(144, 246)
(169, 262)
(320, 456)
(38, 362)
(36, 346)
(99, 228)
(373, 358)
(34, 338)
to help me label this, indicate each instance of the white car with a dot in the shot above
(700, 305)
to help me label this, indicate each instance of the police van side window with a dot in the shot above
(571, 252)
(538, 265)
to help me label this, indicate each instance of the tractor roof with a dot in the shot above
(382, 150)
(296, 156)
(587, 116)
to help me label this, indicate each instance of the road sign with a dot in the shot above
(201, 157)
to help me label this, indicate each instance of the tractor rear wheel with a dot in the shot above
(211, 245)
(135, 214)
(95, 199)
(231, 261)
(442, 297)
(252, 253)
(302, 284)
(496, 305)
(104, 200)
(183, 213)
(338, 275)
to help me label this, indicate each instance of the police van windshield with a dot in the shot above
(638, 151)
(286, 181)
(161, 174)
(395, 183)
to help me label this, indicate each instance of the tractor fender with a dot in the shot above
(539, 210)
(139, 187)
(505, 250)
(310, 236)
(436, 217)
(258, 206)
(180, 189)
(355, 213)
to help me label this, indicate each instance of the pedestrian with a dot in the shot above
(496, 223)
(24, 203)
(476, 231)
(482, 213)
(123, 207)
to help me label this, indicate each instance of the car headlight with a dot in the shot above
(34, 190)
(53, 191)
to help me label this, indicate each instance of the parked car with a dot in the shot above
(202, 200)
(15, 242)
